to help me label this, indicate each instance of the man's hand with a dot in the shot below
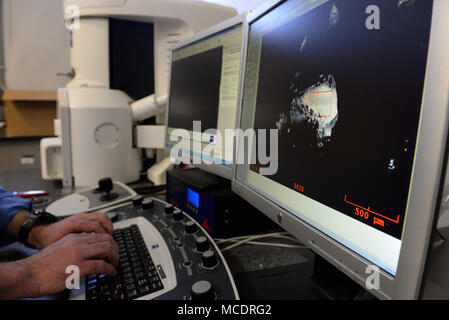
(45, 272)
(42, 236)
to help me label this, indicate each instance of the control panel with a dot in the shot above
(193, 266)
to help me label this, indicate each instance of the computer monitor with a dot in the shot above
(203, 97)
(358, 94)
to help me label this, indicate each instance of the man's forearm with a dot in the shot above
(14, 280)
(11, 231)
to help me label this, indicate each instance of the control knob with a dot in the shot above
(169, 208)
(190, 227)
(147, 204)
(202, 290)
(210, 260)
(178, 215)
(202, 244)
(137, 201)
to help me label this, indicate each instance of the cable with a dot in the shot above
(249, 240)
(271, 244)
(274, 244)
(439, 234)
(220, 241)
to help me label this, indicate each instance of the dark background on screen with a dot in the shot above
(380, 78)
(195, 90)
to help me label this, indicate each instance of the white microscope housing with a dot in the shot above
(96, 132)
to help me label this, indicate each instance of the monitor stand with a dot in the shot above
(315, 279)
(436, 280)
(335, 285)
(288, 282)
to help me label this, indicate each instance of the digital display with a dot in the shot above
(193, 198)
(345, 94)
(195, 88)
(204, 89)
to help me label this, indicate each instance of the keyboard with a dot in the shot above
(164, 255)
(137, 275)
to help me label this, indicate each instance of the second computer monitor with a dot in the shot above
(203, 97)
(357, 92)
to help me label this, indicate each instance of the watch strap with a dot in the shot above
(34, 218)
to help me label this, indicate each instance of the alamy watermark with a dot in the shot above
(373, 20)
(372, 282)
(253, 152)
(73, 280)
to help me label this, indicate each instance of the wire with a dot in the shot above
(270, 244)
(220, 241)
(274, 244)
(249, 240)
(439, 234)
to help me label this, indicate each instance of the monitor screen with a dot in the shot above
(342, 82)
(203, 96)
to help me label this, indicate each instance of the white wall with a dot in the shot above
(240, 5)
(36, 44)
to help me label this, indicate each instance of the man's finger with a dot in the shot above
(101, 218)
(102, 250)
(85, 226)
(88, 239)
(90, 267)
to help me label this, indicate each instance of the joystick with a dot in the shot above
(106, 185)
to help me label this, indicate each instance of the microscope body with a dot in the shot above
(96, 125)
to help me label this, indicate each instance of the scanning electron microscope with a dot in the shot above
(120, 55)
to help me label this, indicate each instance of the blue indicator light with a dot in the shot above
(193, 198)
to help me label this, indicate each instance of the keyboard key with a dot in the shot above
(156, 286)
(137, 275)
(141, 282)
(145, 289)
(132, 294)
(92, 293)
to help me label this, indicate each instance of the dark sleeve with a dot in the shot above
(10, 205)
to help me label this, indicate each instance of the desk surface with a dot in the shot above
(241, 260)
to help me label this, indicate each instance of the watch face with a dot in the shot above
(38, 213)
(44, 215)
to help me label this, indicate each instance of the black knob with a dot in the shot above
(178, 215)
(112, 215)
(209, 259)
(105, 185)
(169, 208)
(202, 290)
(190, 227)
(137, 201)
(147, 204)
(202, 244)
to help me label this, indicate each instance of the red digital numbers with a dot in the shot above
(362, 213)
(298, 187)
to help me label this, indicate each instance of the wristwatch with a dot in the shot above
(35, 217)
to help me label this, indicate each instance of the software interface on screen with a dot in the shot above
(204, 87)
(347, 102)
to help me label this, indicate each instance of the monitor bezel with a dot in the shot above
(428, 170)
(241, 19)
